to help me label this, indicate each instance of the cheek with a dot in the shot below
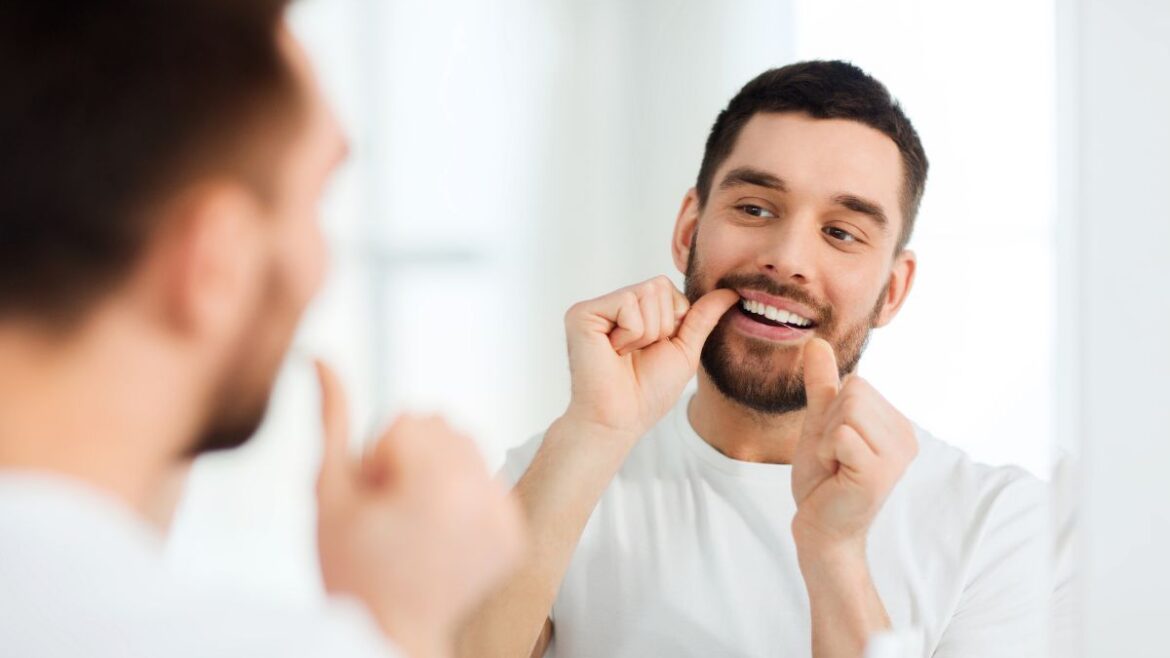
(723, 251)
(316, 259)
(302, 262)
(854, 293)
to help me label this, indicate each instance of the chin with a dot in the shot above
(230, 433)
(238, 413)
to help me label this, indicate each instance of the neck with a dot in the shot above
(103, 406)
(742, 433)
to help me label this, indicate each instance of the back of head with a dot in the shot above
(108, 110)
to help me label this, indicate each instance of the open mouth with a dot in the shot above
(772, 316)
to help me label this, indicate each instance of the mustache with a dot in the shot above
(765, 284)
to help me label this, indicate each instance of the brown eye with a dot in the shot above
(839, 234)
(756, 211)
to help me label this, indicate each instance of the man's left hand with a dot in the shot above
(853, 449)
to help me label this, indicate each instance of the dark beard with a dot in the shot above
(237, 411)
(748, 380)
(230, 432)
(239, 401)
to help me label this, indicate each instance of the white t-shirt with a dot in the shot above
(690, 553)
(81, 575)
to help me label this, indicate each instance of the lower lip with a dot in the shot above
(779, 334)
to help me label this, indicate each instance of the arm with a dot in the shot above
(575, 463)
(845, 607)
(631, 354)
(854, 447)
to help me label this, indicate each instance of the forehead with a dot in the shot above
(821, 158)
(320, 134)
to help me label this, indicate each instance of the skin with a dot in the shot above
(631, 353)
(211, 306)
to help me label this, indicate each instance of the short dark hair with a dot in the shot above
(822, 90)
(107, 109)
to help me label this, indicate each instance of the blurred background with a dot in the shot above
(513, 157)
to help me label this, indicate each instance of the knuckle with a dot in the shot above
(396, 426)
(850, 416)
(636, 332)
(912, 446)
(849, 406)
(573, 312)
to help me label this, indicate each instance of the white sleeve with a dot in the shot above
(1003, 610)
(519, 459)
(350, 630)
(239, 625)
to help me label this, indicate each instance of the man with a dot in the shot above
(159, 176)
(786, 507)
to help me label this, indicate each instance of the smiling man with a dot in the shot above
(785, 508)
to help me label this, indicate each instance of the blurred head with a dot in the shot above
(164, 160)
(804, 204)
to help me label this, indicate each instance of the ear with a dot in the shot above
(211, 258)
(685, 226)
(898, 287)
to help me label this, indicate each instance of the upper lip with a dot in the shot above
(780, 303)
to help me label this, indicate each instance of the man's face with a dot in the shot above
(295, 259)
(802, 220)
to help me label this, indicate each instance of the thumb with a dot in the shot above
(701, 319)
(335, 465)
(821, 381)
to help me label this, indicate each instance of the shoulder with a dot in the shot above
(977, 501)
(951, 473)
(990, 527)
(239, 622)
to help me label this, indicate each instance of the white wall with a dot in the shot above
(971, 357)
(1122, 89)
(509, 158)
(513, 157)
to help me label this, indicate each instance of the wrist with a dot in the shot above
(822, 553)
(846, 608)
(575, 423)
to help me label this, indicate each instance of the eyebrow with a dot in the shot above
(750, 176)
(865, 207)
(760, 178)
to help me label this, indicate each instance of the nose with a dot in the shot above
(787, 253)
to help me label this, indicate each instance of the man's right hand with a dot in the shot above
(632, 352)
(417, 530)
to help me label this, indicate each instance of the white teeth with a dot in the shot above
(775, 314)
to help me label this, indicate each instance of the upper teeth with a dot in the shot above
(775, 314)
